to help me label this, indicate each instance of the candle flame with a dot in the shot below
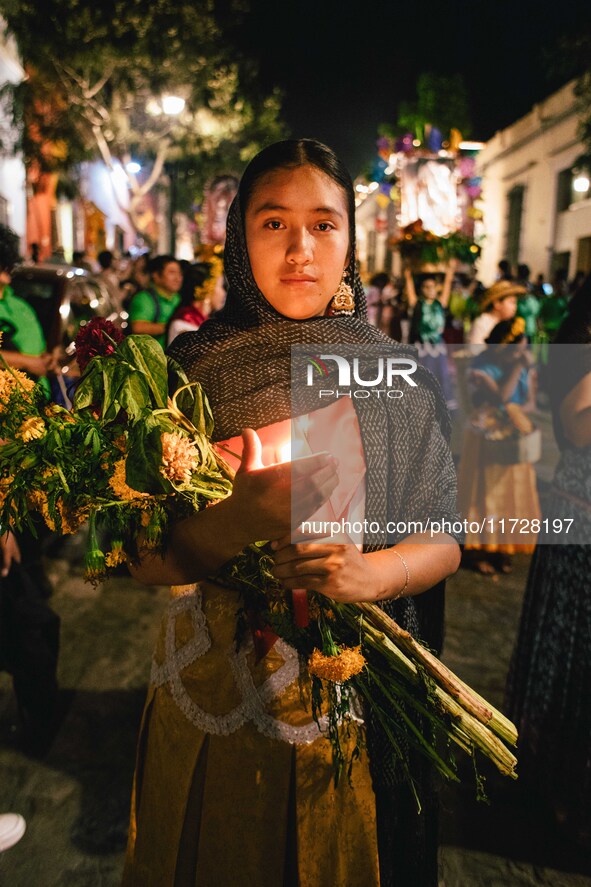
(285, 452)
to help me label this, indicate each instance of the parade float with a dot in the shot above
(418, 203)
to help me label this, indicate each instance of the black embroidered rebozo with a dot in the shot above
(242, 358)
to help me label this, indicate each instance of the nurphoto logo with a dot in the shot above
(368, 374)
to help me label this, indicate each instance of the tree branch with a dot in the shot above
(103, 147)
(156, 169)
(94, 90)
(73, 75)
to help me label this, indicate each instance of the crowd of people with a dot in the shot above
(453, 306)
(233, 781)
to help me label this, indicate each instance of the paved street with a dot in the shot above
(76, 799)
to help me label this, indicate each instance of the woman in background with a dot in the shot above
(548, 690)
(493, 486)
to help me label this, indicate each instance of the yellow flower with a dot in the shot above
(71, 521)
(53, 411)
(32, 429)
(346, 664)
(116, 556)
(37, 500)
(11, 380)
(179, 457)
(5, 483)
(120, 486)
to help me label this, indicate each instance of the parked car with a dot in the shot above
(64, 298)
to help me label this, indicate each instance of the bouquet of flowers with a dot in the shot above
(357, 652)
(418, 245)
(129, 459)
(422, 247)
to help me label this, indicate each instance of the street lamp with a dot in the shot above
(172, 105)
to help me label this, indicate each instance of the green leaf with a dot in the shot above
(146, 354)
(134, 396)
(144, 460)
(176, 374)
(201, 417)
(90, 390)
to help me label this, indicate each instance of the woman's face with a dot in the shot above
(297, 235)
(505, 309)
(429, 290)
(140, 272)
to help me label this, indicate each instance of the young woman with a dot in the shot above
(234, 782)
(503, 381)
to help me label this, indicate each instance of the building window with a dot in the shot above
(560, 263)
(514, 218)
(581, 189)
(564, 187)
(573, 185)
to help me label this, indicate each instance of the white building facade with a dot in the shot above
(537, 198)
(13, 200)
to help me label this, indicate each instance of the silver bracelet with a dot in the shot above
(406, 570)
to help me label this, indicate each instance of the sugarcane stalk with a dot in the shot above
(500, 723)
(467, 728)
(463, 721)
(456, 688)
(420, 739)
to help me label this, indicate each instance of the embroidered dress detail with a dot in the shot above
(176, 660)
(252, 708)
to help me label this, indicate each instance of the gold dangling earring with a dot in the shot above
(343, 301)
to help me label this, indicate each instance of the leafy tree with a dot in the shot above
(442, 101)
(571, 59)
(98, 72)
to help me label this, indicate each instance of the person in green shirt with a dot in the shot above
(528, 304)
(26, 618)
(428, 323)
(151, 309)
(428, 309)
(23, 343)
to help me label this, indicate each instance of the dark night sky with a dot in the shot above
(344, 67)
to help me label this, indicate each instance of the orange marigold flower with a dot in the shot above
(11, 380)
(32, 429)
(116, 556)
(120, 486)
(339, 668)
(179, 457)
(71, 521)
(37, 500)
(5, 483)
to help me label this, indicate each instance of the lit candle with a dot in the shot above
(299, 596)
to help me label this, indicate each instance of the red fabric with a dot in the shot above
(190, 314)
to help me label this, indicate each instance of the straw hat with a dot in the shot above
(500, 290)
